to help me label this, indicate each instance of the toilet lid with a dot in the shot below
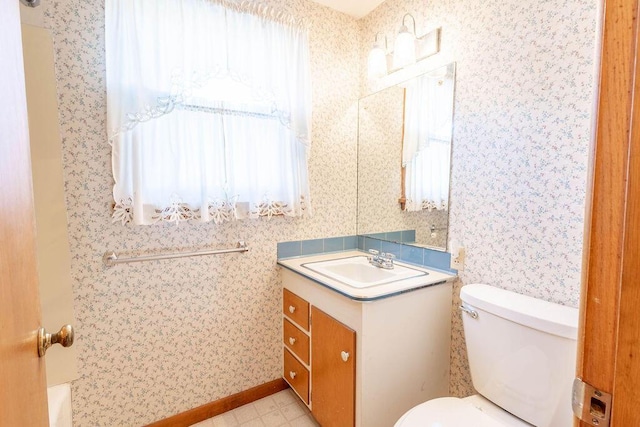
(447, 412)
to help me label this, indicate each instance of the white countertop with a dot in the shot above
(371, 293)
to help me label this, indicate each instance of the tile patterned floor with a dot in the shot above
(280, 409)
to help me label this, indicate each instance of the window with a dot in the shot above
(208, 110)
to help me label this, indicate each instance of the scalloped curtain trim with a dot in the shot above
(219, 211)
(426, 205)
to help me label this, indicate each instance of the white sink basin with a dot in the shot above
(356, 271)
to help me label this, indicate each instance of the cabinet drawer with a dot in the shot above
(296, 375)
(296, 341)
(295, 308)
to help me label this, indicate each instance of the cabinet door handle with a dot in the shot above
(345, 356)
(292, 340)
(292, 374)
(292, 309)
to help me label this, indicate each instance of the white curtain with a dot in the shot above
(208, 110)
(426, 150)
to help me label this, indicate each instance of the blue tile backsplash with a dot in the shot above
(289, 249)
(413, 254)
(334, 244)
(395, 236)
(401, 236)
(408, 236)
(316, 246)
(404, 252)
(370, 243)
(312, 247)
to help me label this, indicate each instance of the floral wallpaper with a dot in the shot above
(158, 338)
(522, 128)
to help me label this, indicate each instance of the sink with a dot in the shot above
(356, 271)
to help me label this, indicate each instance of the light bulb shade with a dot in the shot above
(404, 51)
(377, 62)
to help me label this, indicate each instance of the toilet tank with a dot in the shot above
(522, 353)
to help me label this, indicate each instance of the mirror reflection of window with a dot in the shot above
(426, 149)
(381, 177)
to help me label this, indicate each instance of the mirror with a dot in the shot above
(404, 156)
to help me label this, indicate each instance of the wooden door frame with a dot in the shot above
(609, 325)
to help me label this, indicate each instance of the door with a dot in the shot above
(333, 371)
(22, 373)
(609, 349)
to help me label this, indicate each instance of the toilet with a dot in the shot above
(522, 354)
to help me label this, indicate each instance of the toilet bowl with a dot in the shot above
(472, 411)
(522, 355)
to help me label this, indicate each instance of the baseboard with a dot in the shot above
(218, 407)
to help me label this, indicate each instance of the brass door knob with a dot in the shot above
(63, 337)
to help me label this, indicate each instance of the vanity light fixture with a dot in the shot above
(407, 49)
(404, 50)
(377, 61)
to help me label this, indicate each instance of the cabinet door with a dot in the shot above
(333, 371)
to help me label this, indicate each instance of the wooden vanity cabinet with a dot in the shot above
(364, 364)
(325, 360)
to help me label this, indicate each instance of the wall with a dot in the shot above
(158, 338)
(52, 238)
(522, 129)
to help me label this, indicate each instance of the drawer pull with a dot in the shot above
(292, 340)
(345, 356)
(292, 309)
(292, 374)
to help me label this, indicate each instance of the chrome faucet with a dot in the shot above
(381, 260)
